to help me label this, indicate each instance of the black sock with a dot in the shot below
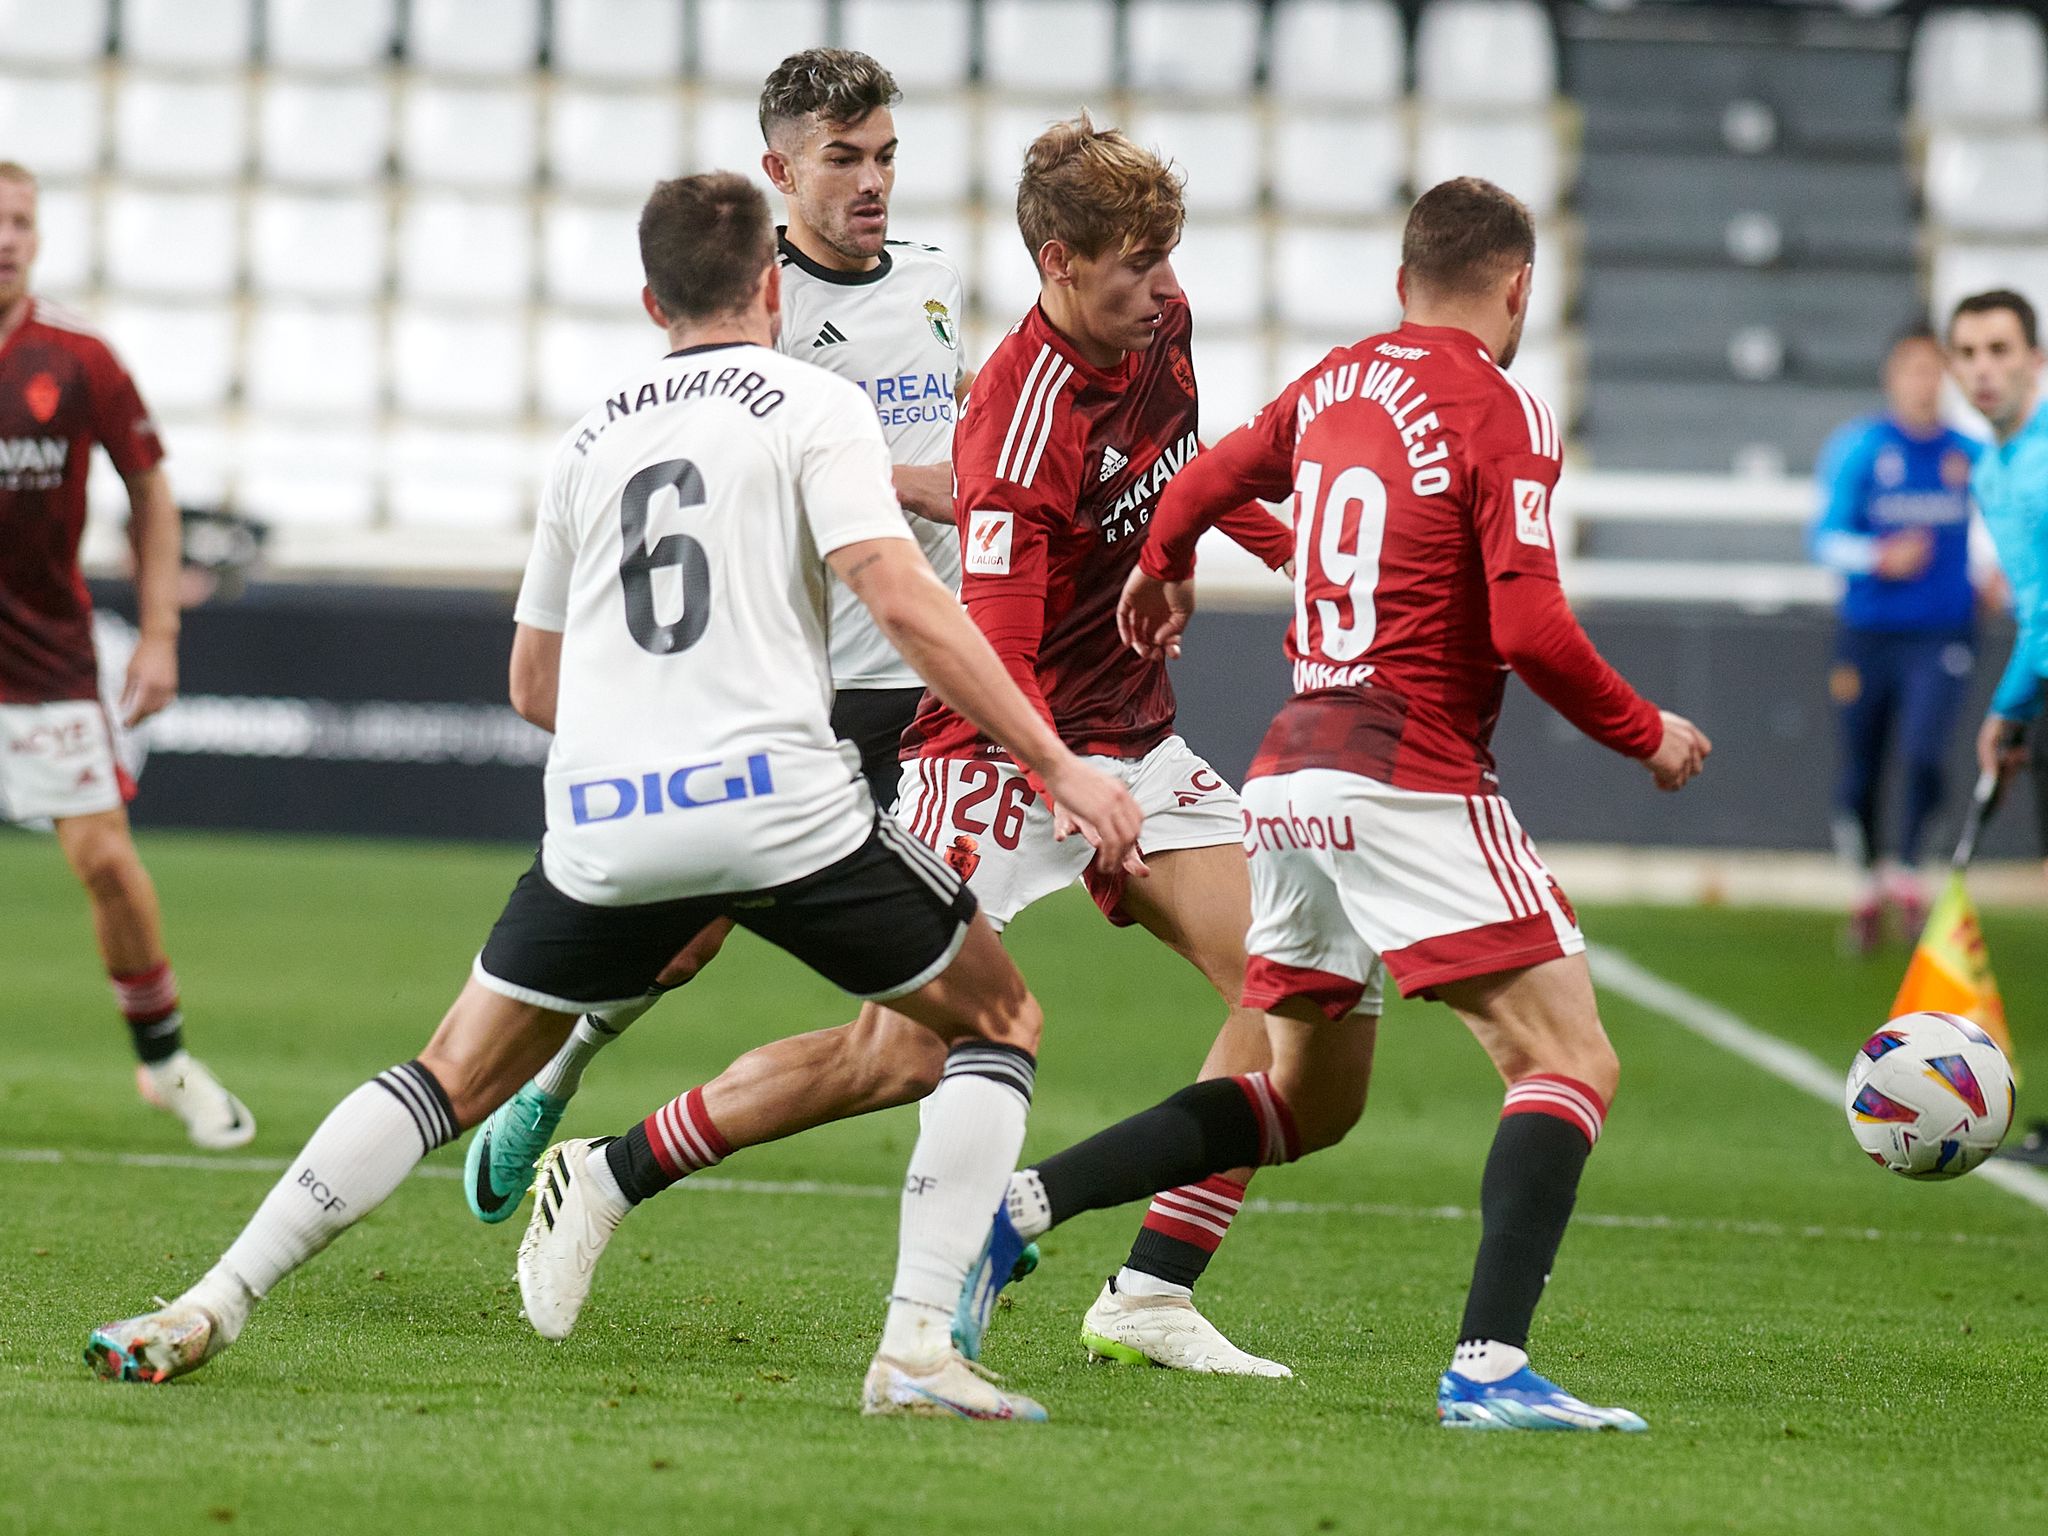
(634, 1167)
(157, 1039)
(1172, 1259)
(1525, 1199)
(1205, 1128)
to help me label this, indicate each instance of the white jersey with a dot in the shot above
(894, 331)
(679, 550)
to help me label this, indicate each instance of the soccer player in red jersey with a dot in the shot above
(62, 390)
(1378, 836)
(1078, 420)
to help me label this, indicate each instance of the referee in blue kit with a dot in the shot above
(1895, 521)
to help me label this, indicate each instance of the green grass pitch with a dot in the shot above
(1818, 1346)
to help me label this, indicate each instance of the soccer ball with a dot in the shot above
(1929, 1096)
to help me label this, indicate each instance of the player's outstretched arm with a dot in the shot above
(932, 632)
(536, 674)
(925, 490)
(157, 537)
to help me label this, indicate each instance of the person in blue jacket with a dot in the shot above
(1995, 353)
(1895, 521)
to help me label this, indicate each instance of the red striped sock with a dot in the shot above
(675, 1141)
(1278, 1142)
(1183, 1229)
(148, 1000)
(1564, 1098)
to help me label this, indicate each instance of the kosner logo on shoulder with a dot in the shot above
(682, 789)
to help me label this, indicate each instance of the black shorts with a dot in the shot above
(874, 720)
(880, 923)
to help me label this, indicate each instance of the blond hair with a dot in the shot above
(1093, 189)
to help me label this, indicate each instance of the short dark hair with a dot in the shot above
(836, 86)
(704, 242)
(1463, 234)
(1996, 299)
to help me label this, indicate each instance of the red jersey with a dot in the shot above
(61, 390)
(1422, 475)
(1057, 468)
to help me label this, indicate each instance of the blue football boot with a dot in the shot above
(1005, 1259)
(1522, 1401)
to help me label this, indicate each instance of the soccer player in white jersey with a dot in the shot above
(884, 314)
(672, 632)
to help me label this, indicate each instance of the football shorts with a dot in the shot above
(996, 832)
(874, 720)
(59, 760)
(1350, 874)
(879, 923)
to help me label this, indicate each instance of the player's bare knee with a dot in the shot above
(1323, 1108)
(106, 866)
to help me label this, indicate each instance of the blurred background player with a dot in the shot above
(61, 390)
(1995, 352)
(1895, 522)
(884, 314)
(1380, 842)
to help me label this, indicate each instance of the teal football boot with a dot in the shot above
(498, 1168)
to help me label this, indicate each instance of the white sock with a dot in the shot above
(1135, 1282)
(164, 1074)
(1484, 1360)
(363, 1150)
(973, 1130)
(598, 1169)
(562, 1076)
(227, 1296)
(1030, 1211)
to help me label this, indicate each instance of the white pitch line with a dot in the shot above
(713, 1184)
(1786, 1062)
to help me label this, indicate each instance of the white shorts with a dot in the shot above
(59, 760)
(996, 831)
(1349, 873)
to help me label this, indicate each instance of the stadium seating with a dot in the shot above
(435, 198)
(1972, 65)
(1989, 183)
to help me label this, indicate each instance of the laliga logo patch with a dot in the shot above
(1532, 513)
(988, 541)
(43, 396)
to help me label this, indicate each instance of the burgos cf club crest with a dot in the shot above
(964, 854)
(940, 319)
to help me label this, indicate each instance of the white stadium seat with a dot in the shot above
(1231, 381)
(1544, 369)
(1961, 270)
(473, 37)
(1299, 351)
(613, 140)
(458, 364)
(617, 40)
(1334, 279)
(926, 44)
(952, 232)
(1007, 130)
(1222, 268)
(312, 360)
(1049, 45)
(320, 246)
(1553, 281)
(182, 356)
(934, 153)
(1217, 150)
(64, 228)
(1485, 53)
(1350, 51)
(307, 477)
(324, 131)
(578, 359)
(457, 249)
(39, 32)
(1200, 46)
(201, 451)
(1324, 162)
(329, 34)
(591, 255)
(739, 41)
(1518, 151)
(727, 137)
(183, 129)
(469, 136)
(188, 34)
(458, 480)
(170, 242)
(51, 122)
(1003, 283)
(1972, 65)
(1988, 183)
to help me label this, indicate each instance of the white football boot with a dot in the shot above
(179, 1337)
(1168, 1331)
(572, 1222)
(953, 1388)
(184, 1085)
